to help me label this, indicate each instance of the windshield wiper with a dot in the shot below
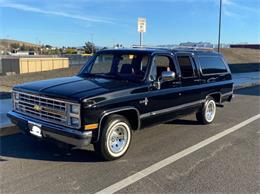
(86, 74)
(109, 76)
(100, 75)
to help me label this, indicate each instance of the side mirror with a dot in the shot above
(168, 76)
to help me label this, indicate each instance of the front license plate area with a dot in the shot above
(35, 129)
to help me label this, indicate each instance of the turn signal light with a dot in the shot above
(91, 126)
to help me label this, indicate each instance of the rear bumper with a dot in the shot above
(55, 132)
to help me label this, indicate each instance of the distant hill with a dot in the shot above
(5, 43)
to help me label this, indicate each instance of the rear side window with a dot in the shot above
(212, 65)
(185, 66)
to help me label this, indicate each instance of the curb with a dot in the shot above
(11, 129)
(5, 95)
(246, 85)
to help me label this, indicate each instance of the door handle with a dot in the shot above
(176, 82)
(211, 79)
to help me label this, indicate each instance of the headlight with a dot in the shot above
(74, 109)
(74, 121)
(74, 115)
(16, 96)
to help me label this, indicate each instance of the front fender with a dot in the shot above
(116, 111)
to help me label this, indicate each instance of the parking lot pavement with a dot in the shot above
(229, 164)
(226, 166)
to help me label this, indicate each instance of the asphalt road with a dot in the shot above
(228, 165)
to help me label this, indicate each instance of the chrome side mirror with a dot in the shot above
(168, 76)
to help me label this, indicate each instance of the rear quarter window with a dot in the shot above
(212, 65)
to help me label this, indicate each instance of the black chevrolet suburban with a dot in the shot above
(122, 90)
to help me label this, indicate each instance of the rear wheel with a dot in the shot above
(115, 138)
(208, 112)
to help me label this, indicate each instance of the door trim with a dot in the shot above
(171, 109)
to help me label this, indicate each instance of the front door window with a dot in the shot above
(161, 63)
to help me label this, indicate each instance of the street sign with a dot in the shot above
(141, 25)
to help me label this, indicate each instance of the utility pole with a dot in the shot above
(219, 23)
(92, 41)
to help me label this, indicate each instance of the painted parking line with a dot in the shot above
(163, 163)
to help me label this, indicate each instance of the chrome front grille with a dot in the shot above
(44, 108)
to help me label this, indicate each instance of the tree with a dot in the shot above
(89, 48)
(15, 46)
(70, 50)
(31, 49)
(23, 48)
(48, 46)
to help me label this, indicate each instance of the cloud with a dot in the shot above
(233, 8)
(229, 13)
(29, 8)
(248, 9)
(227, 2)
(235, 5)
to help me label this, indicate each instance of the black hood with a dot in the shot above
(74, 88)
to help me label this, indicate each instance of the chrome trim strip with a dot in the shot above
(170, 109)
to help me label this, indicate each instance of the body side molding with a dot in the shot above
(171, 109)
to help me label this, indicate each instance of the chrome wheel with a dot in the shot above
(210, 111)
(118, 138)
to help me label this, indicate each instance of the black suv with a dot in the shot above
(120, 91)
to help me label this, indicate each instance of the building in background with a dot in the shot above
(198, 44)
(249, 46)
(10, 65)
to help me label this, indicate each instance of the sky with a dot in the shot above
(108, 22)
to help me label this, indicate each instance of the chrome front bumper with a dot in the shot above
(59, 133)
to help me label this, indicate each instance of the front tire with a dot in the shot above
(115, 138)
(208, 112)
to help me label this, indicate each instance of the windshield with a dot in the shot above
(126, 66)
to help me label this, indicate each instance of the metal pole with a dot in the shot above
(219, 27)
(91, 37)
(141, 39)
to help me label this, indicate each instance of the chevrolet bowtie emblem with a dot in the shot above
(37, 108)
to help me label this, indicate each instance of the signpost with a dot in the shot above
(141, 29)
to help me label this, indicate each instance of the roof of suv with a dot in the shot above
(198, 52)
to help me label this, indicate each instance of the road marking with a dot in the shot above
(163, 163)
